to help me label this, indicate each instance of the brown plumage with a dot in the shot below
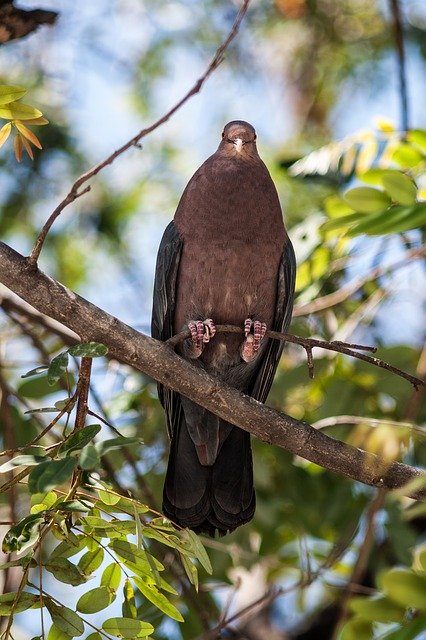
(226, 256)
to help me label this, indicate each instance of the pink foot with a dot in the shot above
(201, 332)
(254, 331)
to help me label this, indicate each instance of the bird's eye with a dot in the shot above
(223, 133)
(255, 137)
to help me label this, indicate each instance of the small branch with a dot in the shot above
(83, 386)
(308, 344)
(75, 192)
(400, 51)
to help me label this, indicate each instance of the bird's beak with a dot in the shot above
(238, 144)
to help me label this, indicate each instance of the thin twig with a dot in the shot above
(400, 51)
(75, 192)
(308, 344)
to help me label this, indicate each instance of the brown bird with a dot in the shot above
(225, 259)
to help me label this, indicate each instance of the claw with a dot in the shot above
(254, 331)
(201, 332)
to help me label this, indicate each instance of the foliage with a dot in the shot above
(15, 111)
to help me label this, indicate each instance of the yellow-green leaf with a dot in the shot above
(111, 577)
(19, 111)
(95, 600)
(405, 587)
(366, 199)
(127, 628)
(377, 609)
(56, 634)
(10, 93)
(157, 598)
(400, 188)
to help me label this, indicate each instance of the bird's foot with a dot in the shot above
(254, 331)
(201, 332)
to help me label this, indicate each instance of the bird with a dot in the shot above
(225, 258)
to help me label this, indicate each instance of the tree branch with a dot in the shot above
(309, 344)
(75, 192)
(158, 360)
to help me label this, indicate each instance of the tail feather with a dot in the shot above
(219, 497)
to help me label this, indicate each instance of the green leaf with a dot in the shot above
(133, 556)
(26, 601)
(19, 562)
(419, 561)
(190, 570)
(157, 598)
(418, 138)
(19, 111)
(116, 443)
(10, 93)
(198, 550)
(74, 505)
(49, 475)
(57, 368)
(405, 587)
(56, 634)
(35, 372)
(128, 608)
(394, 220)
(111, 577)
(406, 155)
(89, 350)
(127, 628)
(21, 461)
(80, 438)
(65, 619)
(94, 636)
(357, 629)
(344, 221)
(408, 631)
(366, 199)
(377, 609)
(39, 387)
(108, 497)
(65, 571)
(89, 458)
(400, 188)
(70, 547)
(23, 534)
(95, 600)
(91, 561)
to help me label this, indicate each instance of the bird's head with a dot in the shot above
(239, 139)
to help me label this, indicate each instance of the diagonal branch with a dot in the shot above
(75, 191)
(158, 360)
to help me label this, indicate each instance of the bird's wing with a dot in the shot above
(264, 375)
(164, 299)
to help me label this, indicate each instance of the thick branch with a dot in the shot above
(75, 192)
(157, 360)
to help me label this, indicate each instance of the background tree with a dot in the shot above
(317, 538)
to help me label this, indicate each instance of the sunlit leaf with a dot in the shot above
(27, 133)
(10, 93)
(36, 371)
(366, 199)
(377, 609)
(19, 111)
(157, 598)
(95, 600)
(17, 147)
(400, 188)
(23, 535)
(111, 577)
(127, 628)
(91, 561)
(405, 587)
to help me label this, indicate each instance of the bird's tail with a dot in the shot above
(209, 498)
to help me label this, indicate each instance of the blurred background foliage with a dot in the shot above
(308, 74)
